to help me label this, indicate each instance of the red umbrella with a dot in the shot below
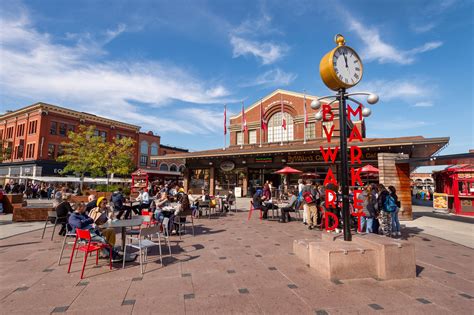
(369, 169)
(288, 170)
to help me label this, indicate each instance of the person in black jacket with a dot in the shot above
(92, 203)
(62, 211)
(385, 219)
(395, 222)
(258, 203)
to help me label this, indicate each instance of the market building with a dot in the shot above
(254, 155)
(34, 135)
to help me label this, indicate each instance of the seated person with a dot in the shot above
(258, 203)
(192, 202)
(100, 215)
(267, 197)
(144, 199)
(229, 200)
(91, 204)
(290, 207)
(159, 204)
(62, 211)
(79, 220)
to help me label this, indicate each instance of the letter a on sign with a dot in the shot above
(355, 134)
(330, 178)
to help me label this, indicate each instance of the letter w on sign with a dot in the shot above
(329, 153)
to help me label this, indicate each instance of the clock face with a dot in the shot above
(347, 66)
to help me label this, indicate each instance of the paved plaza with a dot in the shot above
(231, 266)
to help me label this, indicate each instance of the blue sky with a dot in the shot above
(170, 66)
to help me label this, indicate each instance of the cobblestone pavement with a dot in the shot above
(231, 266)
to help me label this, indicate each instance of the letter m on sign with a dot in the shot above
(354, 113)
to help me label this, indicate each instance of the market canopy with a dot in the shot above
(288, 170)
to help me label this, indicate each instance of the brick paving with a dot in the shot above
(231, 266)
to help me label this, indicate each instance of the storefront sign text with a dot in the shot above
(263, 160)
(227, 166)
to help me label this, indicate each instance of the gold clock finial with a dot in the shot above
(339, 39)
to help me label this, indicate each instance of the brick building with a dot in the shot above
(33, 136)
(248, 162)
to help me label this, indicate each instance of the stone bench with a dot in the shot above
(29, 214)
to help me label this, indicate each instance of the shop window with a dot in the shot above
(164, 167)
(32, 125)
(199, 179)
(70, 128)
(154, 149)
(144, 147)
(62, 129)
(252, 136)
(51, 151)
(181, 168)
(240, 137)
(276, 132)
(173, 168)
(311, 131)
(53, 129)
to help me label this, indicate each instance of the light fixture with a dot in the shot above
(366, 112)
(318, 116)
(316, 104)
(372, 98)
(283, 160)
(244, 162)
(210, 163)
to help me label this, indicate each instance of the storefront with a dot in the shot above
(455, 189)
(145, 178)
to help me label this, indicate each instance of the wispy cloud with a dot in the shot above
(423, 104)
(35, 67)
(408, 90)
(271, 78)
(423, 28)
(376, 49)
(246, 39)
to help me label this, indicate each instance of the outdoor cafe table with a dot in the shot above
(124, 224)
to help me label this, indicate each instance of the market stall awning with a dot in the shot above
(288, 170)
(369, 169)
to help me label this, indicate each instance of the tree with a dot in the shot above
(116, 157)
(82, 151)
(5, 150)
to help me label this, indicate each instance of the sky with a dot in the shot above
(170, 66)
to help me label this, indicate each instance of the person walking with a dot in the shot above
(369, 202)
(309, 204)
(394, 203)
(300, 200)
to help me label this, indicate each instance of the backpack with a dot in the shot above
(390, 205)
(308, 197)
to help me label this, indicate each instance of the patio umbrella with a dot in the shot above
(369, 170)
(288, 170)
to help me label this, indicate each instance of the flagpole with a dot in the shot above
(261, 124)
(242, 127)
(225, 127)
(282, 119)
(304, 119)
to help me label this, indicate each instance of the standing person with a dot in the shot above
(267, 197)
(309, 203)
(385, 220)
(369, 200)
(393, 204)
(300, 199)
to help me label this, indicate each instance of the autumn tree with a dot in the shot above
(82, 151)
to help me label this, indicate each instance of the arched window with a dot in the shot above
(144, 147)
(164, 167)
(276, 133)
(181, 168)
(173, 168)
(154, 149)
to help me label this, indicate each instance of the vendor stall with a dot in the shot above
(143, 178)
(457, 181)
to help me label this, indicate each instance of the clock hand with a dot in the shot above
(345, 59)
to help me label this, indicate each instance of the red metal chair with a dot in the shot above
(251, 209)
(84, 244)
(148, 217)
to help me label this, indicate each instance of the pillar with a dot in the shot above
(397, 175)
(245, 183)
(186, 181)
(211, 181)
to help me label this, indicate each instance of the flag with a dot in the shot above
(225, 119)
(305, 113)
(263, 121)
(244, 119)
(283, 120)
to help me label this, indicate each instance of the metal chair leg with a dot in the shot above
(192, 224)
(62, 250)
(45, 225)
(124, 255)
(159, 248)
(54, 228)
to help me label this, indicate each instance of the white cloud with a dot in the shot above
(409, 90)
(33, 66)
(423, 104)
(379, 50)
(267, 52)
(271, 78)
(423, 28)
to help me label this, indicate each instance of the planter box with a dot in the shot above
(31, 214)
